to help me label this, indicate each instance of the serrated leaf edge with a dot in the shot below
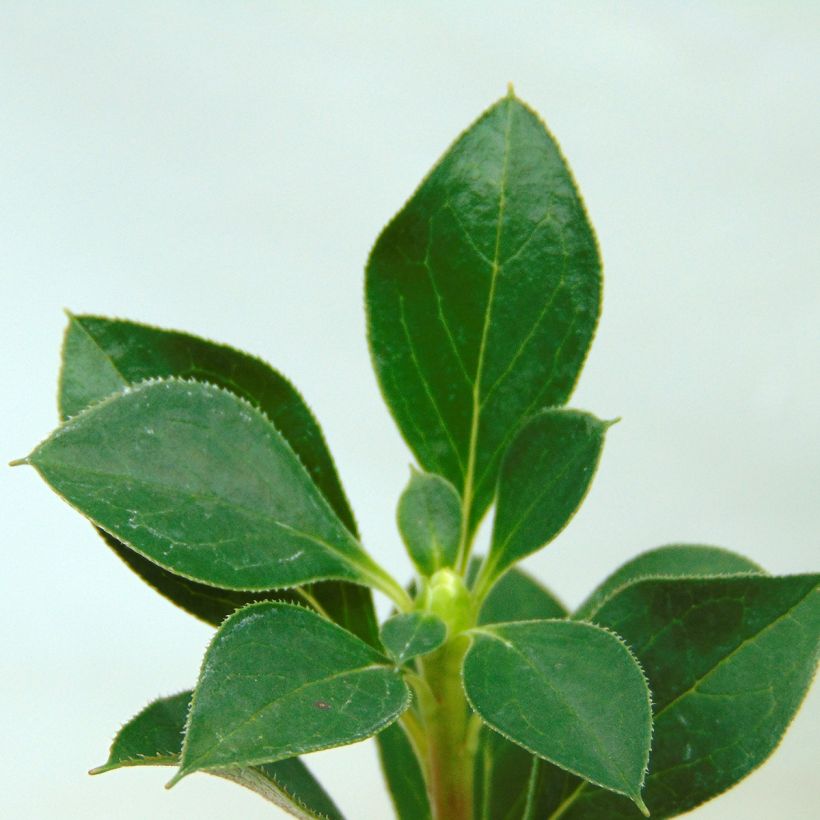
(183, 772)
(488, 628)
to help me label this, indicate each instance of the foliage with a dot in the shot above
(204, 470)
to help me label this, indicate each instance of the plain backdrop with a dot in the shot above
(225, 167)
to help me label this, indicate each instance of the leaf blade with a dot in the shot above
(411, 634)
(199, 470)
(153, 737)
(737, 704)
(402, 772)
(101, 356)
(483, 294)
(674, 560)
(246, 712)
(546, 473)
(429, 519)
(554, 672)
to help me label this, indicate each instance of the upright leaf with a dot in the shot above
(201, 483)
(483, 294)
(730, 661)
(673, 561)
(429, 518)
(568, 692)
(154, 738)
(544, 477)
(102, 356)
(278, 681)
(403, 774)
(410, 634)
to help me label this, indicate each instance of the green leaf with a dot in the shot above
(503, 769)
(504, 787)
(278, 681)
(408, 635)
(429, 518)
(103, 356)
(154, 738)
(198, 481)
(673, 561)
(545, 475)
(730, 661)
(483, 294)
(568, 692)
(517, 596)
(402, 772)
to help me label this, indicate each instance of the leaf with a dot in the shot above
(278, 681)
(483, 294)
(403, 774)
(429, 518)
(410, 634)
(503, 781)
(568, 692)
(502, 773)
(730, 661)
(198, 481)
(545, 475)
(517, 596)
(673, 561)
(103, 356)
(154, 738)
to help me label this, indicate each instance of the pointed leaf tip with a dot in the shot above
(178, 775)
(19, 462)
(510, 90)
(641, 805)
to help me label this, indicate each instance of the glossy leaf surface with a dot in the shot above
(278, 681)
(201, 483)
(403, 774)
(568, 692)
(730, 661)
(102, 356)
(673, 561)
(483, 294)
(544, 477)
(429, 518)
(410, 634)
(154, 738)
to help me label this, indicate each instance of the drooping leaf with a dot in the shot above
(154, 738)
(102, 356)
(278, 681)
(544, 477)
(429, 518)
(201, 483)
(730, 661)
(410, 634)
(673, 561)
(483, 294)
(402, 772)
(571, 693)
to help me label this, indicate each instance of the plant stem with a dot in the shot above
(450, 743)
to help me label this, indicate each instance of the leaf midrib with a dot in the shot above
(597, 740)
(250, 512)
(272, 703)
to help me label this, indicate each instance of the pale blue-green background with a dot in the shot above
(225, 167)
